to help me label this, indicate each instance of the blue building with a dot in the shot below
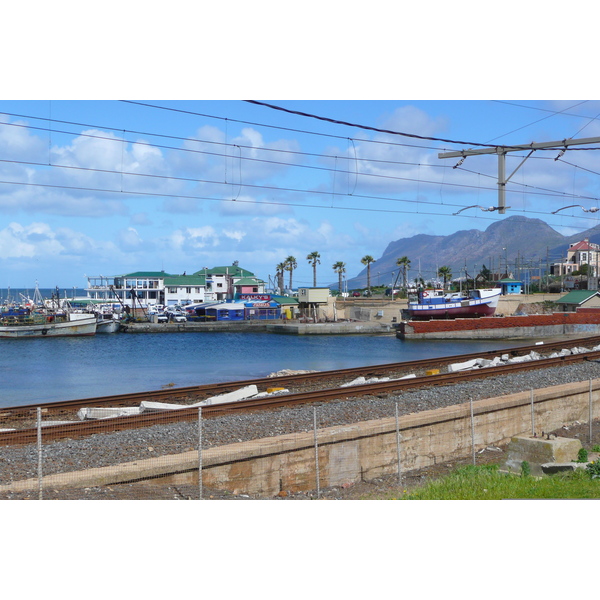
(510, 286)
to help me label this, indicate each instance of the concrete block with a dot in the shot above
(483, 362)
(552, 468)
(538, 451)
(358, 381)
(241, 394)
(148, 406)
(464, 366)
(519, 359)
(106, 413)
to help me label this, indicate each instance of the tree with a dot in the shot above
(485, 273)
(340, 268)
(290, 265)
(313, 258)
(445, 273)
(367, 260)
(404, 263)
(279, 275)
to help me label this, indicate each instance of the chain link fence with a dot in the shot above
(184, 455)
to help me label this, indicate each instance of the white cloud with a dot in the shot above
(238, 236)
(193, 239)
(129, 240)
(39, 240)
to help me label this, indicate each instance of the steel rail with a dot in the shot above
(196, 391)
(86, 428)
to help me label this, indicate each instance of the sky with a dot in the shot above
(98, 177)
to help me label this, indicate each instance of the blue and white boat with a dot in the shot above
(435, 304)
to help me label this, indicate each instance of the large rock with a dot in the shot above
(538, 451)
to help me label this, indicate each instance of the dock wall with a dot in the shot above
(527, 327)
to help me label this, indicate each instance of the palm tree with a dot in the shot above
(340, 268)
(279, 274)
(367, 260)
(313, 258)
(445, 273)
(290, 265)
(404, 262)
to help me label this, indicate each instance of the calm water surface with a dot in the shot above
(47, 370)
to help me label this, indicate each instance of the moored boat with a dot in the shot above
(107, 324)
(31, 324)
(434, 304)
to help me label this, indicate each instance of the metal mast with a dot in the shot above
(502, 151)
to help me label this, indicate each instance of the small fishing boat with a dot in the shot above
(25, 323)
(435, 304)
(107, 324)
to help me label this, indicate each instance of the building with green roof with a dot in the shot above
(577, 299)
(159, 287)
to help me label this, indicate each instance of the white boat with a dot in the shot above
(107, 324)
(38, 324)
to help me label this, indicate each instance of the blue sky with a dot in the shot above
(107, 186)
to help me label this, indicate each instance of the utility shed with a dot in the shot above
(313, 295)
(579, 299)
(510, 286)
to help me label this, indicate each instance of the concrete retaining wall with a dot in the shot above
(351, 453)
(367, 450)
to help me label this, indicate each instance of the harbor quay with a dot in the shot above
(291, 327)
(338, 317)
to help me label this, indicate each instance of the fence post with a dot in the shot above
(199, 453)
(591, 411)
(472, 430)
(532, 414)
(398, 446)
(316, 452)
(39, 453)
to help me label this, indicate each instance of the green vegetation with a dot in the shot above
(593, 469)
(488, 483)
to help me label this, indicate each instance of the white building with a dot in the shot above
(157, 287)
(579, 254)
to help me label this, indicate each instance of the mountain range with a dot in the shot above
(523, 243)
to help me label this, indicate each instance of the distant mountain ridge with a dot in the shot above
(520, 240)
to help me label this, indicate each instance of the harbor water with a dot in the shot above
(37, 371)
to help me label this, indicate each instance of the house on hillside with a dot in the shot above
(578, 254)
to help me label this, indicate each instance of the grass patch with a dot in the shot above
(487, 483)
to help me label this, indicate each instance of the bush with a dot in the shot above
(525, 469)
(593, 469)
(582, 455)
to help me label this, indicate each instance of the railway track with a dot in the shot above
(28, 434)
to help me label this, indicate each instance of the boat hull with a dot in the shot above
(107, 326)
(462, 308)
(79, 327)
